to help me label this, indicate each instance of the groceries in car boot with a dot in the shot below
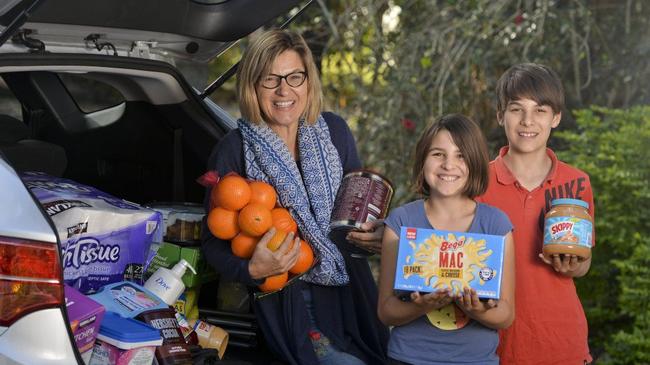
(182, 222)
(125, 341)
(85, 316)
(174, 350)
(128, 299)
(187, 302)
(131, 300)
(190, 336)
(167, 254)
(210, 336)
(104, 239)
(167, 284)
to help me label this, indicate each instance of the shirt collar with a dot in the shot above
(505, 176)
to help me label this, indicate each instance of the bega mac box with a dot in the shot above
(430, 259)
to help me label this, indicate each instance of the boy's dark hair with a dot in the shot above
(470, 141)
(532, 81)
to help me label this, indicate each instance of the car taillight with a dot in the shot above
(30, 278)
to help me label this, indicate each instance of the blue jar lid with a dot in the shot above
(577, 202)
(127, 330)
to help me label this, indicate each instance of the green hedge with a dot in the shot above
(613, 147)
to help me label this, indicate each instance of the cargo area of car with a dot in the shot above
(137, 143)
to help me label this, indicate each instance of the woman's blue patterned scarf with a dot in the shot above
(308, 196)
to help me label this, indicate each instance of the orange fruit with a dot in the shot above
(274, 282)
(243, 245)
(223, 223)
(255, 220)
(276, 240)
(263, 193)
(232, 192)
(305, 259)
(282, 220)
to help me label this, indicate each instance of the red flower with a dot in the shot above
(519, 18)
(408, 124)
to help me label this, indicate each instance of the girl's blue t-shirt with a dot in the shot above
(419, 342)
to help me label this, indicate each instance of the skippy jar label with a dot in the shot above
(568, 230)
(431, 259)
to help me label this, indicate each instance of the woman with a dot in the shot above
(329, 316)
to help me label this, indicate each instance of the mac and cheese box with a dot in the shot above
(431, 259)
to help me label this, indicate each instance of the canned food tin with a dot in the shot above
(363, 196)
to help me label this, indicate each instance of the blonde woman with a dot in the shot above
(329, 315)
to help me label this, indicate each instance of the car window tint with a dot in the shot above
(89, 94)
(9, 105)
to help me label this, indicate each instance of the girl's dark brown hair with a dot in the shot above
(471, 142)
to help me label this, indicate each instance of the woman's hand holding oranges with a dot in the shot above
(265, 262)
(246, 214)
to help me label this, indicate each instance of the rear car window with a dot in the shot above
(89, 94)
(9, 105)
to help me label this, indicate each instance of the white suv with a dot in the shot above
(109, 94)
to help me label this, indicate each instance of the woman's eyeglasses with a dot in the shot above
(294, 79)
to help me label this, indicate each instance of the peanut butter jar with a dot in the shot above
(568, 229)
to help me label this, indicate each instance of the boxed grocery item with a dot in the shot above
(128, 299)
(85, 316)
(169, 254)
(431, 259)
(174, 349)
(182, 222)
(187, 302)
(125, 341)
(103, 239)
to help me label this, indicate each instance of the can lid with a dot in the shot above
(577, 202)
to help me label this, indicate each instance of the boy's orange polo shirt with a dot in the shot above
(550, 325)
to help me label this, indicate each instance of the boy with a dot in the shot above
(550, 325)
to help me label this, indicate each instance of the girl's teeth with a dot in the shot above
(448, 178)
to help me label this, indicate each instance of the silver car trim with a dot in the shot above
(22, 218)
(29, 279)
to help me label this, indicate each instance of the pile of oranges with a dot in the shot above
(242, 212)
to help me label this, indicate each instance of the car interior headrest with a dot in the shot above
(12, 129)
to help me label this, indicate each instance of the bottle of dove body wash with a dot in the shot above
(167, 284)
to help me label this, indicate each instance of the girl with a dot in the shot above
(451, 169)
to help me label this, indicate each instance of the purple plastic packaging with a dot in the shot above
(85, 316)
(103, 239)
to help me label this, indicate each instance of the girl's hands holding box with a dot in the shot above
(468, 301)
(433, 300)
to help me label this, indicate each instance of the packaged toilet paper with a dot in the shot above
(104, 239)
